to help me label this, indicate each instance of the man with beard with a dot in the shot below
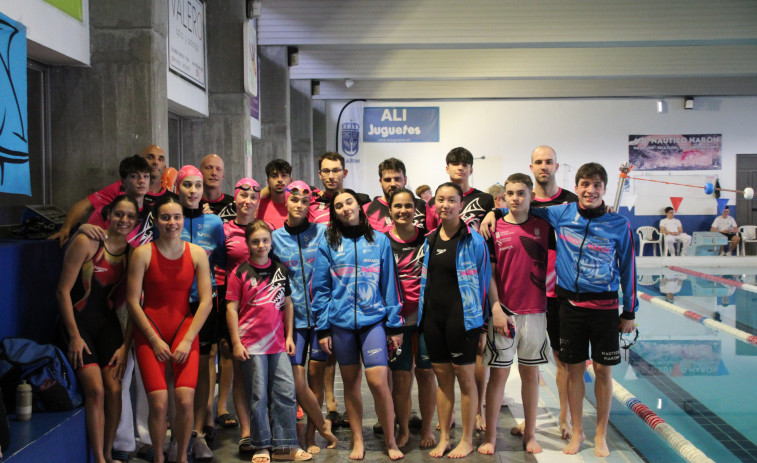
(392, 176)
(273, 208)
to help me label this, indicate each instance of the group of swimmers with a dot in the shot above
(448, 288)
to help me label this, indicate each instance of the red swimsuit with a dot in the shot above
(166, 303)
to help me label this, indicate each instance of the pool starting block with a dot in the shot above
(707, 243)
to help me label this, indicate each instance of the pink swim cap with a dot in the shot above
(245, 184)
(187, 171)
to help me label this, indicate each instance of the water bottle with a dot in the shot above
(24, 402)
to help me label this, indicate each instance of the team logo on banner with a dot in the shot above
(350, 138)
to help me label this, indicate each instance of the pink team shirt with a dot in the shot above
(273, 213)
(261, 292)
(519, 256)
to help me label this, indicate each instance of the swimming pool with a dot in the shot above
(697, 379)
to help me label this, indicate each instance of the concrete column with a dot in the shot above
(319, 135)
(226, 131)
(115, 107)
(274, 142)
(301, 128)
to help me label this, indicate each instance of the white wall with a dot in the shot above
(46, 25)
(591, 130)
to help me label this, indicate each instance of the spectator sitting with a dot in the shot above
(726, 225)
(672, 229)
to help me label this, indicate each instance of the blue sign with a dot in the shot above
(14, 145)
(400, 125)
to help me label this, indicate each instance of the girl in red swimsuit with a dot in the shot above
(167, 330)
(92, 273)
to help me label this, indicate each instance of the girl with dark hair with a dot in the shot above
(454, 283)
(164, 271)
(407, 245)
(93, 271)
(355, 295)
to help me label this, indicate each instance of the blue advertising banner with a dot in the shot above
(14, 143)
(400, 125)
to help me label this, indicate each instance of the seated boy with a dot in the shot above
(672, 229)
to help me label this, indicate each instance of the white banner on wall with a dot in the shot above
(348, 139)
(186, 40)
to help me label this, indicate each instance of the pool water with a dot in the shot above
(699, 380)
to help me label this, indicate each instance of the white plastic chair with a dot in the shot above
(748, 234)
(647, 236)
(647, 280)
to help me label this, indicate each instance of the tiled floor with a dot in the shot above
(509, 448)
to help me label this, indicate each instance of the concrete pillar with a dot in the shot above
(301, 128)
(226, 131)
(274, 142)
(319, 135)
(115, 107)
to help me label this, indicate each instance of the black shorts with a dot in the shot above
(222, 326)
(208, 334)
(448, 341)
(581, 327)
(553, 322)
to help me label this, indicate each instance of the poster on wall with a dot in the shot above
(401, 125)
(348, 140)
(675, 152)
(186, 40)
(14, 142)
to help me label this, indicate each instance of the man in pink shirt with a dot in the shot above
(273, 208)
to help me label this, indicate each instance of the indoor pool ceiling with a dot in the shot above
(513, 49)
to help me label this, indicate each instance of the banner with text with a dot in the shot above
(186, 40)
(401, 124)
(14, 142)
(349, 142)
(675, 152)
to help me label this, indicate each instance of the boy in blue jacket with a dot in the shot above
(595, 257)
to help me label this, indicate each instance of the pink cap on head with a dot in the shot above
(246, 184)
(187, 171)
(300, 186)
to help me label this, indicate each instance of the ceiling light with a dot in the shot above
(349, 83)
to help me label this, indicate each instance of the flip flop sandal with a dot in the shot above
(261, 456)
(333, 416)
(344, 420)
(120, 455)
(226, 420)
(245, 446)
(292, 455)
(147, 453)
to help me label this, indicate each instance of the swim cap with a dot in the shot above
(245, 184)
(187, 171)
(299, 187)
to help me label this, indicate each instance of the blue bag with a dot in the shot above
(44, 367)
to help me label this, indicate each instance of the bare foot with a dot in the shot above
(402, 437)
(600, 447)
(518, 430)
(531, 446)
(480, 423)
(487, 448)
(574, 444)
(565, 430)
(428, 440)
(313, 449)
(462, 450)
(440, 449)
(395, 453)
(328, 435)
(358, 451)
